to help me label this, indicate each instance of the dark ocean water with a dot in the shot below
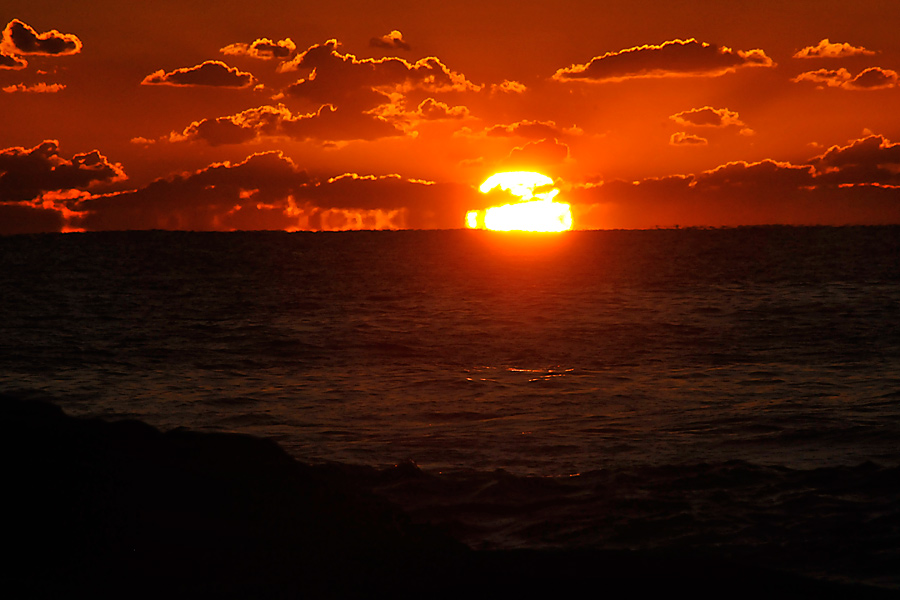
(733, 391)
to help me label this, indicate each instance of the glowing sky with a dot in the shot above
(354, 114)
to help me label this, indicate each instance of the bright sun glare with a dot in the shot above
(536, 211)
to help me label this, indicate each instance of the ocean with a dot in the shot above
(728, 391)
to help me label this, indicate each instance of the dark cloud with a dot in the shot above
(12, 62)
(210, 73)
(346, 81)
(417, 204)
(26, 174)
(677, 58)
(681, 138)
(534, 130)
(20, 38)
(828, 49)
(392, 41)
(764, 174)
(253, 194)
(326, 124)
(24, 218)
(857, 183)
(872, 78)
(263, 48)
(708, 117)
(268, 191)
(870, 160)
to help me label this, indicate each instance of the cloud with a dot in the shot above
(708, 117)
(676, 58)
(537, 154)
(20, 38)
(431, 109)
(268, 191)
(252, 194)
(872, 78)
(534, 130)
(392, 41)
(345, 81)
(263, 48)
(37, 88)
(210, 73)
(681, 138)
(9, 61)
(328, 123)
(508, 87)
(764, 174)
(22, 218)
(869, 160)
(828, 49)
(26, 174)
(856, 183)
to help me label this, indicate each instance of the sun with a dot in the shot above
(535, 211)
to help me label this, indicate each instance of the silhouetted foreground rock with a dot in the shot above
(123, 510)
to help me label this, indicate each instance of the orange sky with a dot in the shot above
(349, 114)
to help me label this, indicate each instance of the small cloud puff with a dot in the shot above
(431, 109)
(682, 138)
(508, 87)
(213, 73)
(828, 49)
(392, 41)
(708, 117)
(12, 62)
(676, 58)
(21, 38)
(873, 78)
(263, 48)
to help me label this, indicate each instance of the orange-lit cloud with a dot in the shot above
(431, 109)
(263, 48)
(873, 78)
(25, 174)
(37, 88)
(509, 87)
(708, 117)
(681, 138)
(328, 123)
(392, 41)
(209, 73)
(828, 49)
(535, 154)
(676, 58)
(20, 38)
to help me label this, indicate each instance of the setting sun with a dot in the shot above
(536, 210)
